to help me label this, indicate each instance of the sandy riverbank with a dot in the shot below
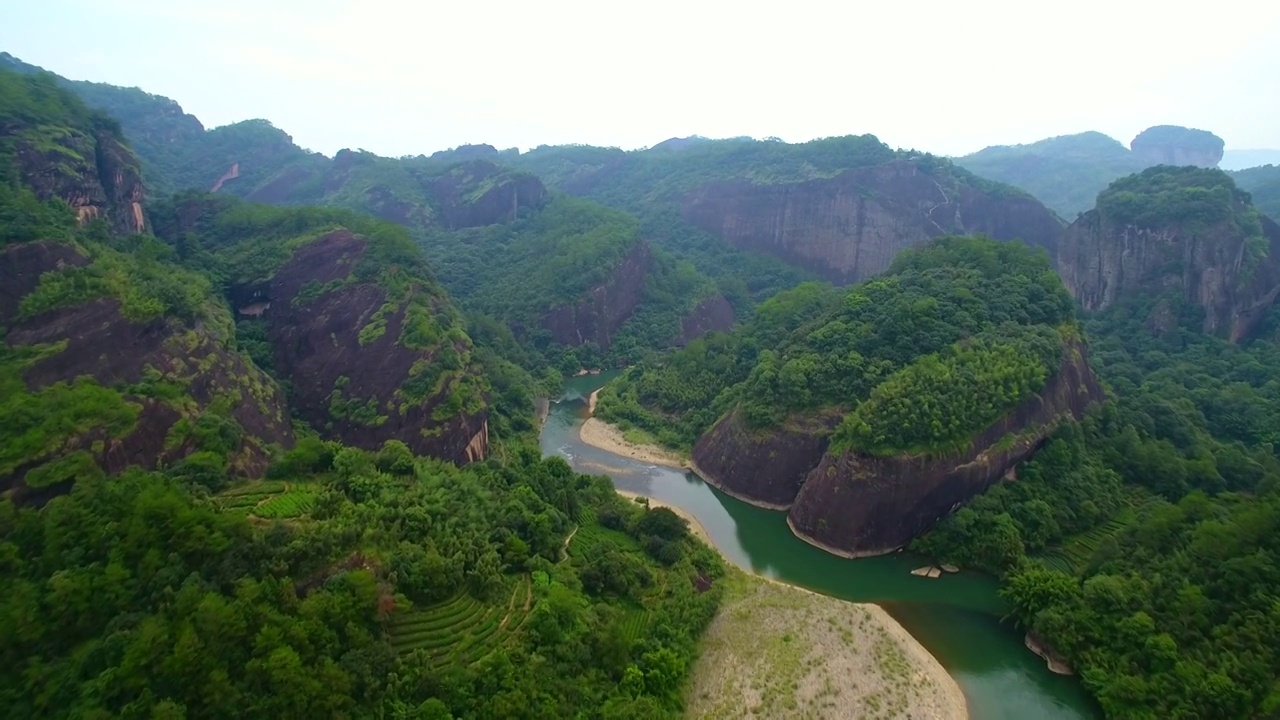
(600, 434)
(775, 650)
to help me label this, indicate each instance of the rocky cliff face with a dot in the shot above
(332, 368)
(599, 314)
(1234, 276)
(94, 173)
(859, 505)
(1174, 145)
(480, 193)
(126, 357)
(713, 314)
(851, 226)
(763, 468)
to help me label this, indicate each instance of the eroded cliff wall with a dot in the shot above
(1219, 267)
(164, 373)
(767, 467)
(353, 386)
(602, 311)
(851, 226)
(712, 314)
(860, 505)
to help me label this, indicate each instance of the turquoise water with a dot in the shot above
(957, 617)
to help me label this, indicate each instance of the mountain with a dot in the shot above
(481, 219)
(1180, 232)
(1066, 172)
(841, 207)
(1263, 184)
(366, 339)
(1175, 145)
(871, 412)
(1233, 159)
(243, 447)
(142, 332)
(113, 356)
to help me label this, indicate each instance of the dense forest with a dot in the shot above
(350, 584)
(976, 321)
(519, 273)
(1141, 544)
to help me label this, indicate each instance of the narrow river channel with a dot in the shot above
(957, 617)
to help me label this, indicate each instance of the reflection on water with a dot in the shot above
(957, 617)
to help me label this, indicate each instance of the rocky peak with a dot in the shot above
(1175, 145)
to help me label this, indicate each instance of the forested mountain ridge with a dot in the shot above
(480, 217)
(840, 207)
(1263, 184)
(146, 381)
(580, 283)
(350, 317)
(956, 363)
(1186, 232)
(113, 317)
(1066, 172)
(113, 356)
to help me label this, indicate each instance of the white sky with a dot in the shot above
(402, 78)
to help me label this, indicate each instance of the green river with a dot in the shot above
(957, 617)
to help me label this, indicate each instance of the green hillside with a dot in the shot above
(1066, 172)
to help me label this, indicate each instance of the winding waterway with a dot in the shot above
(957, 617)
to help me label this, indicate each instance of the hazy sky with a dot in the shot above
(402, 78)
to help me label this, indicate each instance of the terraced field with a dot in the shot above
(243, 498)
(290, 504)
(269, 499)
(592, 533)
(1074, 554)
(637, 623)
(462, 629)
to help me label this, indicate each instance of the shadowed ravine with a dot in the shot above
(956, 617)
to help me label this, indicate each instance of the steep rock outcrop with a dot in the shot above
(318, 345)
(599, 314)
(860, 505)
(1218, 267)
(851, 226)
(480, 193)
(763, 468)
(22, 265)
(1175, 145)
(97, 341)
(94, 173)
(712, 314)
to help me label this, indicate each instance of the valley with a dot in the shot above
(955, 618)
(551, 433)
